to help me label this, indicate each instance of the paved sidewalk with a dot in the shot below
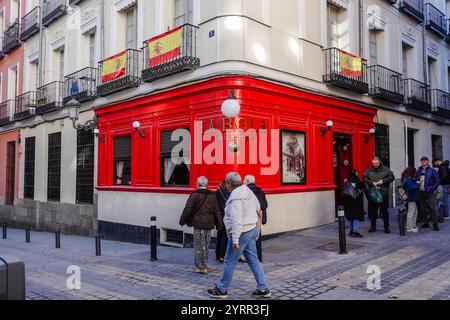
(299, 266)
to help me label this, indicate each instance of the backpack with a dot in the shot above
(402, 194)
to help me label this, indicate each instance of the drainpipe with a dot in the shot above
(424, 42)
(361, 28)
(41, 37)
(102, 29)
(405, 125)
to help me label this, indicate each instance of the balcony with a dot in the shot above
(81, 85)
(30, 24)
(181, 57)
(25, 105)
(435, 20)
(385, 83)
(417, 95)
(52, 10)
(49, 97)
(447, 28)
(119, 72)
(11, 39)
(412, 8)
(74, 2)
(392, 1)
(440, 102)
(345, 70)
(6, 108)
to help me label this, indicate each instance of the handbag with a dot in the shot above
(375, 195)
(350, 191)
(190, 219)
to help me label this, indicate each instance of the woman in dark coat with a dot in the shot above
(354, 208)
(222, 195)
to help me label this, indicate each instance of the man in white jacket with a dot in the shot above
(241, 218)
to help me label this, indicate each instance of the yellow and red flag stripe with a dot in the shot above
(114, 67)
(165, 47)
(350, 65)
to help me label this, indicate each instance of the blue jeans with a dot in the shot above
(247, 246)
(354, 225)
(444, 201)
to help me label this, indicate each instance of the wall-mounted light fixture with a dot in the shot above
(368, 135)
(324, 130)
(136, 126)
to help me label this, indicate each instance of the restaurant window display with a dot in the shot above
(293, 157)
(175, 169)
(122, 161)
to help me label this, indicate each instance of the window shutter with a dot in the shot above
(122, 148)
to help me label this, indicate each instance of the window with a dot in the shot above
(61, 65)
(33, 75)
(405, 50)
(382, 143)
(122, 161)
(333, 26)
(436, 144)
(183, 12)
(432, 73)
(54, 167)
(85, 167)
(172, 175)
(12, 83)
(373, 49)
(131, 29)
(15, 10)
(28, 183)
(92, 55)
(411, 149)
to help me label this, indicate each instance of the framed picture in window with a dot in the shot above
(293, 157)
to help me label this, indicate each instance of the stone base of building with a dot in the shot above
(74, 219)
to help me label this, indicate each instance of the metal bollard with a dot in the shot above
(58, 239)
(153, 255)
(4, 231)
(27, 235)
(98, 245)
(402, 215)
(342, 236)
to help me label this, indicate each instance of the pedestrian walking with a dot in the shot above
(353, 197)
(378, 178)
(250, 182)
(428, 180)
(202, 213)
(222, 195)
(411, 188)
(242, 224)
(442, 204)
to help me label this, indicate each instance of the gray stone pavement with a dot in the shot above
(299, 266)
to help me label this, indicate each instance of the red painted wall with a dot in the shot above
(278, 106)
(4, 139)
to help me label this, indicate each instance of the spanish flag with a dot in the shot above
(350, 65)
(165, 47)
(114, 67)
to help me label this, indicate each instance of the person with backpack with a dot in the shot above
(378, 178)
(353, 196)
(411, 188)
(202, 213)
(442, 205)
(428, 180)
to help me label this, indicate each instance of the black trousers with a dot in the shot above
(259, 247)
(222, 242)
(373, 212)
(427, 207)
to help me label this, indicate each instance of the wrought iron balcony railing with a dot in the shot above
(6, 109)
(412, 8)
(345, 70)
(119, 72)
(392, 1)
(417, 95)
(385, 83)
(2, 54)
(74, 2)
(81, 85)
(11, 39)
(25, 105)
(440, 102)
(49, 97)
(435, 20)
(160, 62)
(52, 10)
(30, 24)
(447, 28)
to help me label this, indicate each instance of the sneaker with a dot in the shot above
(408, 230)
(202, 271)
(414, 230)
(352, 234)
(446, 218)
(262, 293)
(425, 226)
(435, 228)
(221, 260)
(241, 259)
(217, 294)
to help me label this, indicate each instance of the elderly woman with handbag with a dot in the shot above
(353, 196)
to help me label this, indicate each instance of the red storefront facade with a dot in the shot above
(264, 105)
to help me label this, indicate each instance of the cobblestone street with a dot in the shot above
(299, 266)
